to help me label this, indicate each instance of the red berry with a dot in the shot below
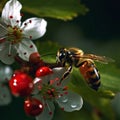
(16, 72)
(42, 71)
(34, 57)
(21, 84)
(33, 107)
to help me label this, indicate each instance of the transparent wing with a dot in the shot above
(102, 59)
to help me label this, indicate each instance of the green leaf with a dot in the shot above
(60, 9)
(110, 75)
(47, 50)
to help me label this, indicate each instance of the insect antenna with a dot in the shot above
(51, 64)
(47, 54)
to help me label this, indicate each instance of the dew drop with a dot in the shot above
(65, 100)
(73, 106)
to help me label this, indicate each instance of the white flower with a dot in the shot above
(16, 37)
(49, 91)
(5, 74)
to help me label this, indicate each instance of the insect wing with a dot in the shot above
(102, 59)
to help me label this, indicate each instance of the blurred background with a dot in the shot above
(96, 32)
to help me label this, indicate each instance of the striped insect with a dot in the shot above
(85, 62)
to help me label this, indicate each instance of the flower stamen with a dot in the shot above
(49, 92)
(9, 53)
(14, 34)
(49, 109)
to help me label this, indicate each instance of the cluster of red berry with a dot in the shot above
(22, 82)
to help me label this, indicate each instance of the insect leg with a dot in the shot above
(68, 71)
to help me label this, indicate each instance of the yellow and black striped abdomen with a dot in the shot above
(90, 74)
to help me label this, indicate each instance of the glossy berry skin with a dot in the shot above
(21, 84)
(42, 71)
(33, 107)
(34, 57)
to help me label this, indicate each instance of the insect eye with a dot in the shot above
(62, 56)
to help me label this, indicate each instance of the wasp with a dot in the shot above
(85, 62)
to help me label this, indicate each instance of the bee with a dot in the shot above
(85, 62)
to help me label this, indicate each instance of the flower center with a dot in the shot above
(49, 92)
(14, 34)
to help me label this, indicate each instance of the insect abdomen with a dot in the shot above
(90, 74)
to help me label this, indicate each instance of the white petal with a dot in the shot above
(46, 79)
(3, 30)
(34, 29)
(11, 8)
(37, 84)
(7, 53)
(5, 72)
(116, 103)
(70, 102)
(3, 45)
(55, 77)
(58, 73)
(5, 96)
(48, 112)
(25, 49)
